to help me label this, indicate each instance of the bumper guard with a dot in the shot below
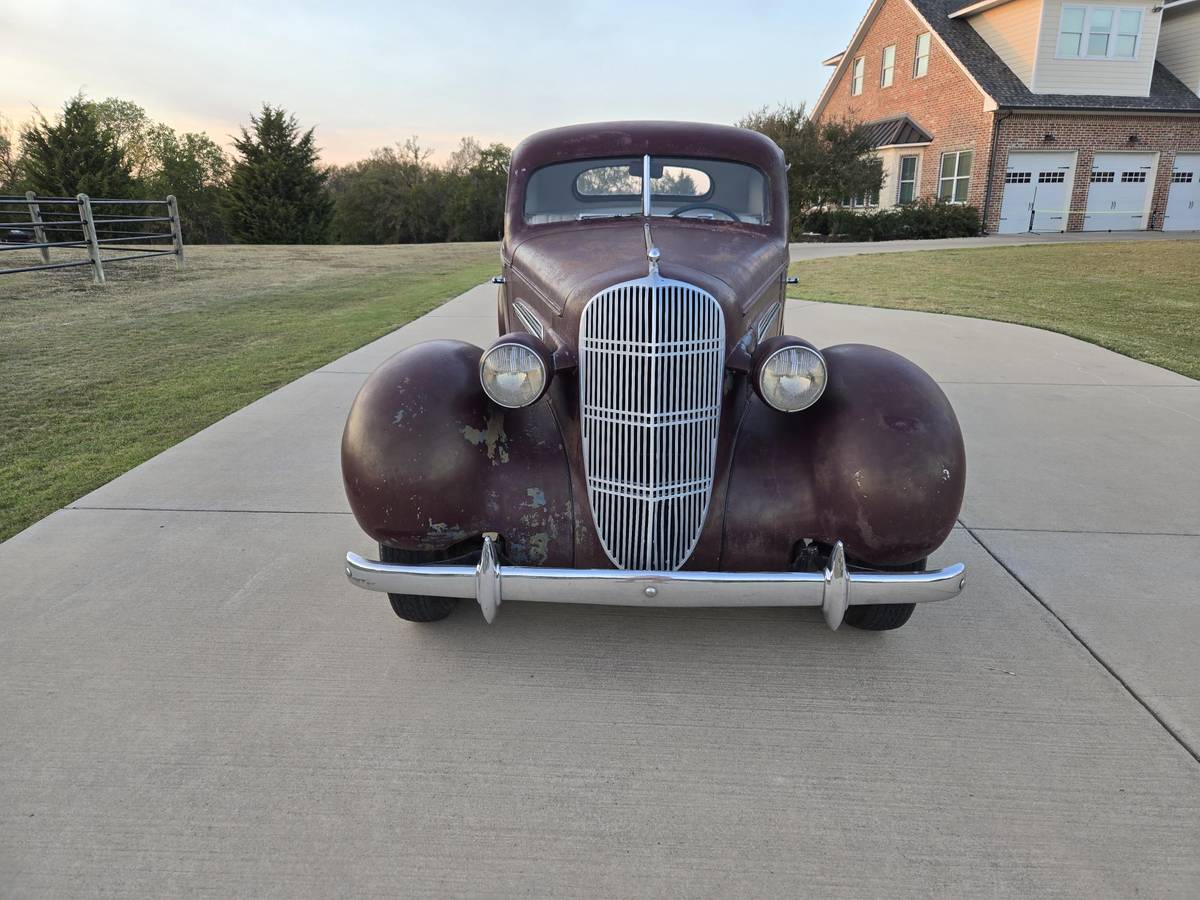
(488, 583)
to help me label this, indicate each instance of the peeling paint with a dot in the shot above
(536, 495)
(440, 531)
(493, 437)
(539, 547)
(398, 417)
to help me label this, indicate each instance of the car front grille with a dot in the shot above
(651, 359)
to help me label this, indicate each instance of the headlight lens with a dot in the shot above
(792, 378)
(512, 375)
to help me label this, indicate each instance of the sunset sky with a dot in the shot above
(367, 75)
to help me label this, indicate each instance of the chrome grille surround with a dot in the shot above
(651, 363)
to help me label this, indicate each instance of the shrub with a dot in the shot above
(917, 221)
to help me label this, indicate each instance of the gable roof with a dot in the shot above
(896, 130)
(998, 83)
(1167, 93)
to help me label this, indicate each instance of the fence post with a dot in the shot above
(35, 216)
(176, 232)
(89, 232)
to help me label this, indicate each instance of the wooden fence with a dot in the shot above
(98, 226)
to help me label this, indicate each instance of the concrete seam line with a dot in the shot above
(268, 512)
(1071, 631)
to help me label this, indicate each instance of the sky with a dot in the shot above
(368, 75)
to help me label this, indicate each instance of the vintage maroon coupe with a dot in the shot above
(642, 433)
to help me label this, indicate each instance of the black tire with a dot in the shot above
(884, 616)
(416, 607)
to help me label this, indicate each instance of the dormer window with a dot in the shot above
(1099, 32)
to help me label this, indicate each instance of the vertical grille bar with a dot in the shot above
(650, 367)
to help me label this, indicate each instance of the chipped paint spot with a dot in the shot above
(539, 547)
(945, 474)
(440, 531)
(536, 495)
(493, 437)
(398, 417)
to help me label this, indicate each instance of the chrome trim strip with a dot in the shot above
(833, 590)
(646, 185)
(764, 324)
(525, 313)
(651, 362)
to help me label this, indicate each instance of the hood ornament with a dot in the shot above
(653, 254)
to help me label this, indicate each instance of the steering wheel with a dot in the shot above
(690, 206)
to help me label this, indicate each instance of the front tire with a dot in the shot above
(884, 616)
(417, 607)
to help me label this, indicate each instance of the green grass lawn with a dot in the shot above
(1141, 299)
(95, 380)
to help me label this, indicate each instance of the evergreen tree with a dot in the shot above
(277, 193)
(76, 154)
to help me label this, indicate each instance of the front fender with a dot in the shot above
(877, 463)
(428, 461)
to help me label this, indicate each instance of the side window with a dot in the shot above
(856, 77)
(907, 191)
(954, 183)
(921, 58)
(888, 70)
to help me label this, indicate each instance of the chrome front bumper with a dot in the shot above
(833, 590)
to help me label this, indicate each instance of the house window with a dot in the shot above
(1052, 177)
(1099, 32)
(955, 181)
(1181, 178)
(907, 191)
(861, 202)
(921, 59)
(856, 77)
(1133, 178)
(1018, 177)
(1103, 177)
(888, 70)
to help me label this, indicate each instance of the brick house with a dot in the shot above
(1048, 115)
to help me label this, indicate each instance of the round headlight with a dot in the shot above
(512, 374)
(792, 377)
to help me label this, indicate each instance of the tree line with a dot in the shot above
(273, 188)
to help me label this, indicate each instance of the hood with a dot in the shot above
(569, 263)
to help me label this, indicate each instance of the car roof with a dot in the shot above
(687, 139)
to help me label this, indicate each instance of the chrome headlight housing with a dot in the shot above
(515, 371)
(789, 374)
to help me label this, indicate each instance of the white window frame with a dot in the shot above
(887, 71)
(858, 70)
(956, 178)
(1088, 11)
(901, 181)
(918, 57)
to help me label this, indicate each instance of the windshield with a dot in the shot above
(688, 188)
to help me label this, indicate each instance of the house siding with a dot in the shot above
(1179, 44)
(1109, 77)
(1012, 31)
(1091, 134)
(945, 102)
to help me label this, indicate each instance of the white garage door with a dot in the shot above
(1183, 202)
(1037, 192)
(1118, 196)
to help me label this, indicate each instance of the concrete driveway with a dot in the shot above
(195, 701)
